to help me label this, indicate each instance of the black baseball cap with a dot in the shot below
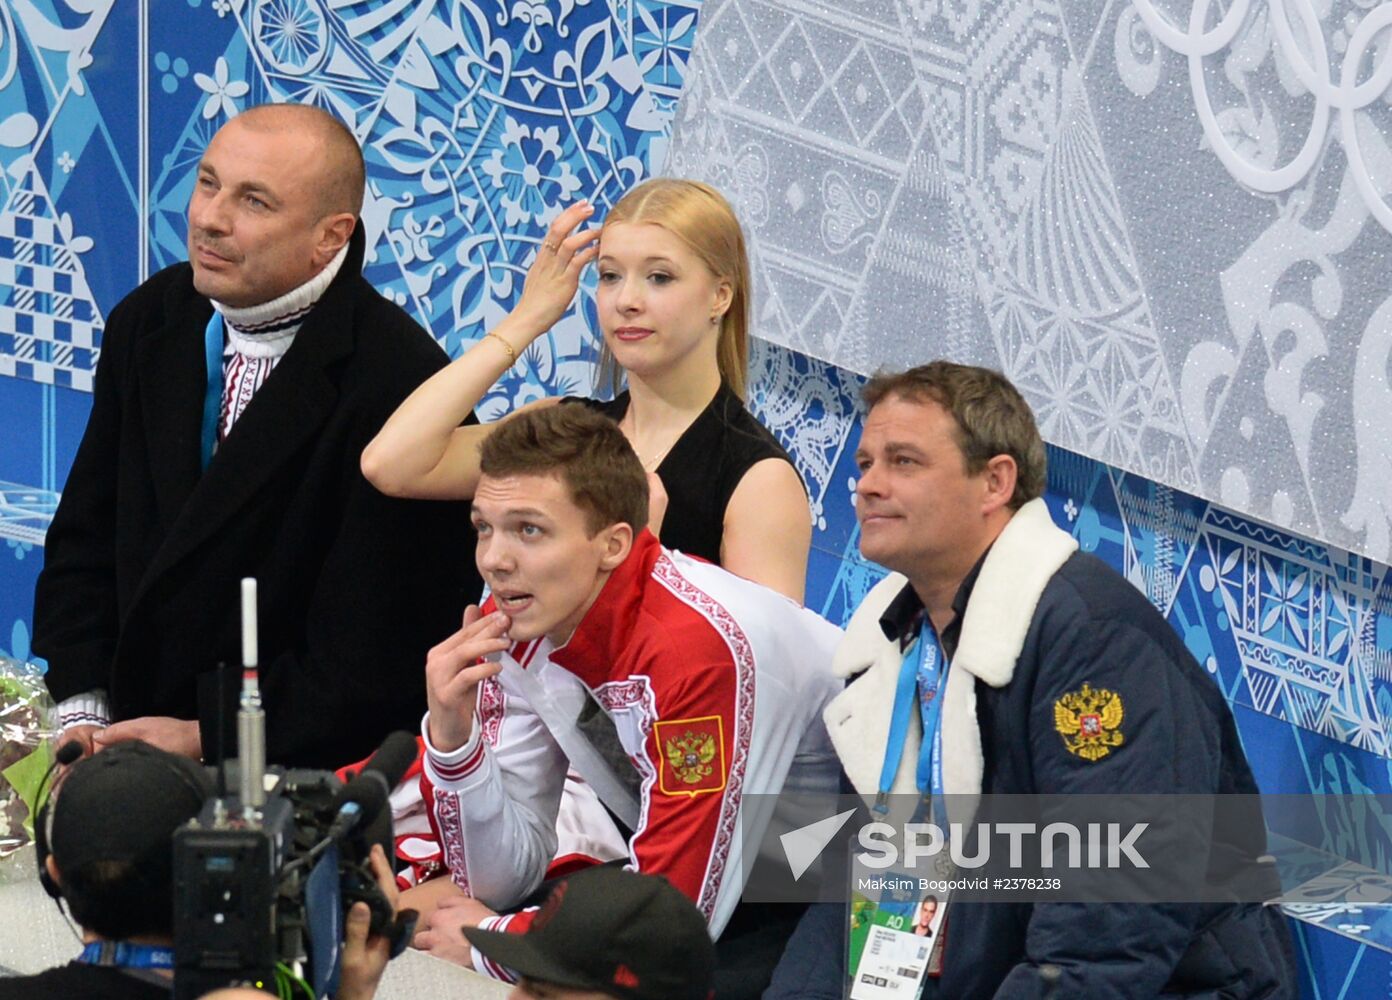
(611, 931)
(124, 804)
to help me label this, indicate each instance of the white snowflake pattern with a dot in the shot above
(222, 91)
(529, 166)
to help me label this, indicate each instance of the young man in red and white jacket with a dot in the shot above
(715, 685)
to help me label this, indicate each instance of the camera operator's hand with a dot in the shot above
(365, 957)
(453, 673)
(443, 931)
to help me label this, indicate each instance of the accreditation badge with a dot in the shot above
(895, 934)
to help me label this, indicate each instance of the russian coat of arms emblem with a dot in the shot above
(693, 756)
(1089, 720)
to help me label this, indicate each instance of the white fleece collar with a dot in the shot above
(1019, 566)
(1025, 556)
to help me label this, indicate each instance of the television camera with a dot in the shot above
(263, 878)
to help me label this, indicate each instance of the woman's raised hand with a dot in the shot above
(422, 450)
(554, 275)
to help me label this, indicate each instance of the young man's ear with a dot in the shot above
(618, 542)
(52, 869)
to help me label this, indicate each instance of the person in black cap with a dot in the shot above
(607, 932)
(104, 845)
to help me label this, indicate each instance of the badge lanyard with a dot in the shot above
(894, 963)
(123, 955)
(212, 398)
(928, 653)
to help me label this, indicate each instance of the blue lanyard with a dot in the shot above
(927, 653)
(212, 398)
(127, 956)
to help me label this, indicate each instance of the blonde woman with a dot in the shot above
(673, 307)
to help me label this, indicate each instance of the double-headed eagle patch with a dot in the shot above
(1089, 720)
(693, 756)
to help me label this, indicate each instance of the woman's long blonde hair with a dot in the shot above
(699, 216)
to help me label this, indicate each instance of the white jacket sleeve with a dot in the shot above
(494, 801)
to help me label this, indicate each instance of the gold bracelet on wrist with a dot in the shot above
(511, 352)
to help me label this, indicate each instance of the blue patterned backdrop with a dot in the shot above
(480, 119)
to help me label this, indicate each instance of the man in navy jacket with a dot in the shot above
(1063, 680)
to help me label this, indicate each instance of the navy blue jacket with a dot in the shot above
(1037, 621)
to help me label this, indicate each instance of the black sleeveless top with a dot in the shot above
(702, 469)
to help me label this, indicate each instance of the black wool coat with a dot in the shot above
(139, 594)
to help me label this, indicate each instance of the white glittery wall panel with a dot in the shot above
(1162, 219)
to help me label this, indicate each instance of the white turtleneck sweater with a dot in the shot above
(257, 338)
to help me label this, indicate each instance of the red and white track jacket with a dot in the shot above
(716, 687)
